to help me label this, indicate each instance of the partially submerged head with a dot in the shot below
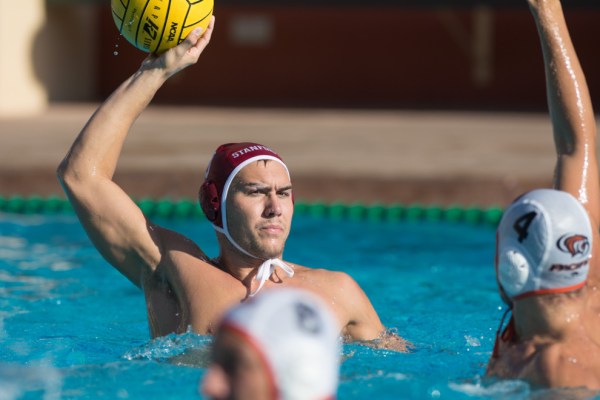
(544, 244)
(247, 196)
(282, 344)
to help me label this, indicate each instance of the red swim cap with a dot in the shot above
(227, 161)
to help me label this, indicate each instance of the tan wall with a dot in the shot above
(47, 53)
(21, 91)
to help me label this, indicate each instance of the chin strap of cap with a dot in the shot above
(267, 268)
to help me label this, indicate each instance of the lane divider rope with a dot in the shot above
(186, 208)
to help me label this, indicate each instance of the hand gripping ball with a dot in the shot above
(155, 26)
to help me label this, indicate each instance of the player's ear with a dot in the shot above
(209, 200)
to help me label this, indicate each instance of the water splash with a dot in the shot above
(513, 389)
(379, 374)
(185, 349)
(472, 341)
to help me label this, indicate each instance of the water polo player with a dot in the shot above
(547, 240)
(247, 195)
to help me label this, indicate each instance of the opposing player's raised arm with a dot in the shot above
(113, 222)
(570, 108)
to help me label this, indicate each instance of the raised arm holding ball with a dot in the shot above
(247, 195)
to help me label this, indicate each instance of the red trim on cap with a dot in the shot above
(244, 335)
(550, 291)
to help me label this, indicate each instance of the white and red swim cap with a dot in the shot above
(297, 336)
(544, 245)
(225, 164)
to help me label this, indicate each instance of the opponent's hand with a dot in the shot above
(183, 55)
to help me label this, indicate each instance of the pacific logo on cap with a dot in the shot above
(574, 244)
(577, 246)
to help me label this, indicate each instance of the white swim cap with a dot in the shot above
(544, 244)
(298, 337)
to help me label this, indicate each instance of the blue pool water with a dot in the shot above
(72, 327)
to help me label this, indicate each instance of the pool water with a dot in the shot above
(72, 327)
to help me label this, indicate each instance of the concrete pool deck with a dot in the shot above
(430, 157)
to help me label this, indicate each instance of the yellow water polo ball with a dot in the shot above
(155, 26)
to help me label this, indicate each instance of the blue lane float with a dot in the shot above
(186, 208)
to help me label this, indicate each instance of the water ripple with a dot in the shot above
(44, 381)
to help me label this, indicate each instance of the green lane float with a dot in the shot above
(186, 208)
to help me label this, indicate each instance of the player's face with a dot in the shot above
(260, 208)
(237, 371)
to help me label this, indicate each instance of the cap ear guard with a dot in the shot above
(209, 200)
(513, 272)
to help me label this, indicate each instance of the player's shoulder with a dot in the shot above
(320, 272)
(337, 279)
(557, 364)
